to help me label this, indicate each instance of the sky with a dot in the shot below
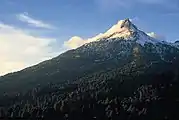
(32, 31)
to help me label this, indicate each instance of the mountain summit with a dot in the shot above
(124, 30)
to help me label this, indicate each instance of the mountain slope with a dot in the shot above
(123, 44)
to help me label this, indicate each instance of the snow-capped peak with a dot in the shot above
(124, 28)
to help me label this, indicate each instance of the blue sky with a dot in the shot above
(49, 23)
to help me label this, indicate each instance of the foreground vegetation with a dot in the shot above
(100, 96)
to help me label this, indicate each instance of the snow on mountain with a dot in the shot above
(124, 29)
(176, 44)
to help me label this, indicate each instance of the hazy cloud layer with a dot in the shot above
(19, 49)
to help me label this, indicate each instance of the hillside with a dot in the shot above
(124, 74)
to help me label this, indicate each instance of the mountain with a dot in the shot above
(123, 46)
(120, 74)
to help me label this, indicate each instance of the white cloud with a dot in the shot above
(156, 36)
(24, 17)
(74, 42)
(19, 49)
(77, 41)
